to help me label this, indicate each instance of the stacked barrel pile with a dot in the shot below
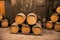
(26, 24)
(3, 21)
(54, 20)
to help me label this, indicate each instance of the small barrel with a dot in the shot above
(25, 29)
(4, 23)
(31, 19)
(58, 10)
(37, 29)
(54, 17)
(20, 18)
(49, 25)
(57, 26)
(14, 28)
(1, 17)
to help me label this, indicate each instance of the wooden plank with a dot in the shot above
(2, 7)
(1, 0)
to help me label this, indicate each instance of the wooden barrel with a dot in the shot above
(2, 7)
(1, 17)
(57, 26)
(14, 28)
(20, 18)
(58, 10)
(31, 19)
(49, 25)
(37, 29)
(4, 23)
(25, 29)
(54, 17)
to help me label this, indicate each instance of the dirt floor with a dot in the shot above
(5, 34)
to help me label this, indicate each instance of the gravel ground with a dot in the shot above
(5, 34)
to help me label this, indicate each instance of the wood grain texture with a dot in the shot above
(49, 25)
(4, 23)
(2, 7)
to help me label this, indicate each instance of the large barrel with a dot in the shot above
(54, 17)
(58, 10)
(2, 7)
(37, 29)
(57, 26)
(49, 25)
(20, 18)
(25, 29)
(4, 23)
(31, 19)
(1, 17)
(14, 28)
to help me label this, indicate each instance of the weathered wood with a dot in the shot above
(4, 23)
(31, 19)
(14, 28)
(58, 10)
(20, 18)
(54, 17)
(49, 25)
(57, 26)
(25, 29)
(37, 29)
